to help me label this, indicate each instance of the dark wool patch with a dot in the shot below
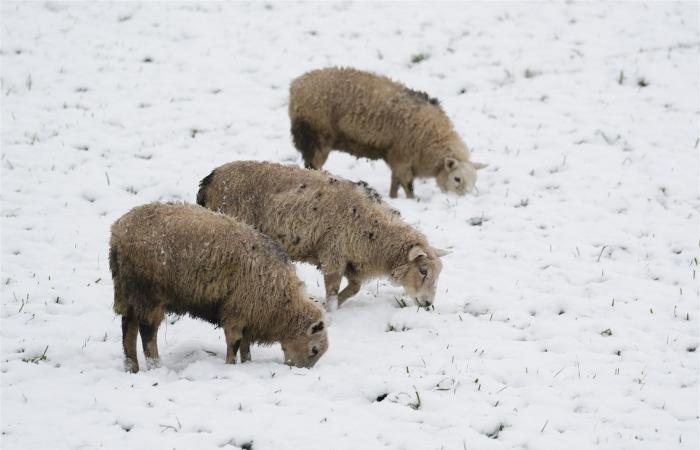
(148, 330)
(271, 247)
(350, 268)
(113, 264)
(370, 192)
(203, 186)
(423, 96)
(209, 312)
(306, 140)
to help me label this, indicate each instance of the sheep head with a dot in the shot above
(458, 176)
(307, 349)
(419, 273)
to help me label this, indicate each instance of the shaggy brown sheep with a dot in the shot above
(344, 228)
(371, 116)
(181, 258)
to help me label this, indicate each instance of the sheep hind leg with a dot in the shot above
(245, 346)
(404, 178)
(130, 334)
(148, 327)
(332, 283)
(310, 144)
(351, 289)
(319, 158)
(234, 336)
(408, 188)
(394, 189)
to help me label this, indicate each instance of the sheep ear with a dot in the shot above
(450, 163)
(479, 166)
(416, 252)
(440, 252)
(317, 327)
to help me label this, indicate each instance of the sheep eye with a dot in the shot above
(423, 271)
(457, 179)
(314, 351)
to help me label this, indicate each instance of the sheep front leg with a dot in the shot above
(234, 335)
(332, 282)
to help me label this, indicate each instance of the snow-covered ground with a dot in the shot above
(567, 314)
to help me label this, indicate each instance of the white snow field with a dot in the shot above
(567, 313)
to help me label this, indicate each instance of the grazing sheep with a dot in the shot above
(371, 116)
(344, 228)
(181, 258)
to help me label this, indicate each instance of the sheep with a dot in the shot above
(343, 228)
(180, 258)
(371, 116)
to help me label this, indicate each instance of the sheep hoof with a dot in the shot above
(131, 366)
(152, 363)
(332, 303)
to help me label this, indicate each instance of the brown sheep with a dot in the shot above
(179, 258)
(371, 116)
(344, 228)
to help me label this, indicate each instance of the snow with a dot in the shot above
(567, 313)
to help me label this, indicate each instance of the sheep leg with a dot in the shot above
(408, 188)
(351, 289)
(332, 282)
(314, 150)
(319, 158)
(148, 327)
(401, 177)
(245, 346)
(130, 334)
(394, 189)
(406, 182)
(234, 335)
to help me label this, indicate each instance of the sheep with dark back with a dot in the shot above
(372, 116)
